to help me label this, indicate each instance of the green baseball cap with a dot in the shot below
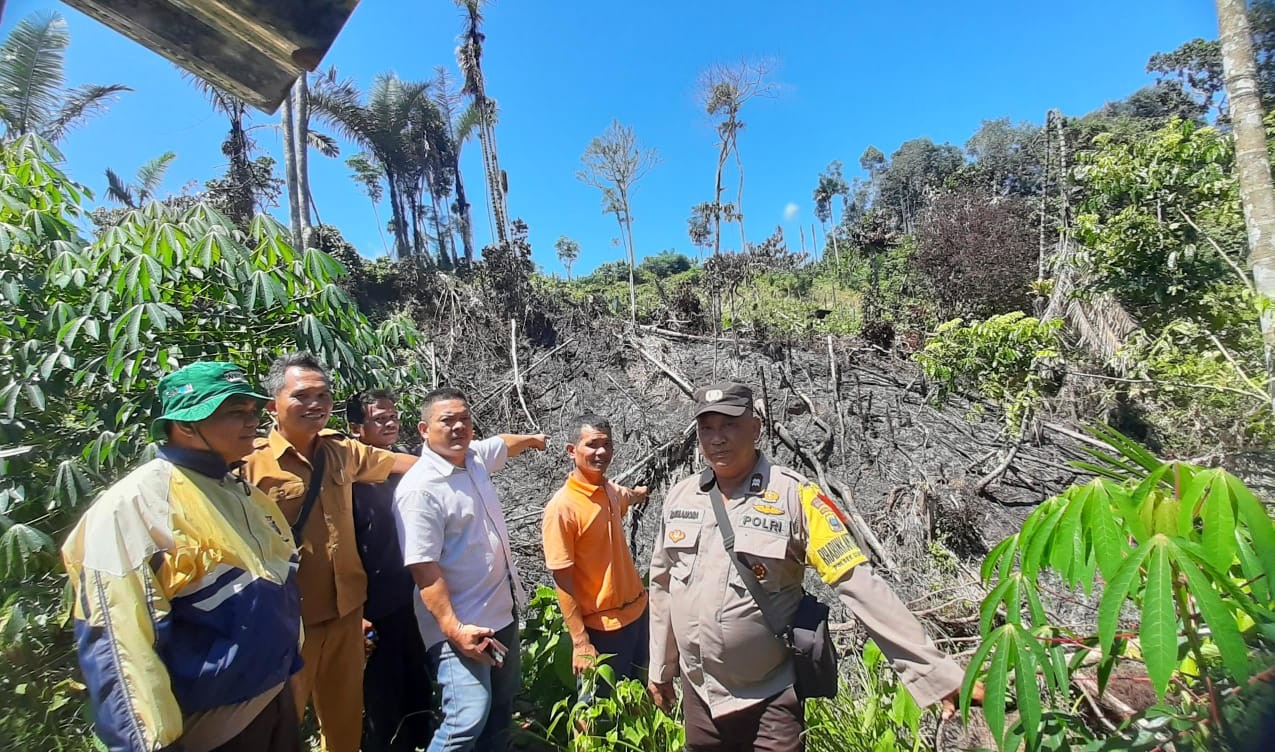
(195, 392)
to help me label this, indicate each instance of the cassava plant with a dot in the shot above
(1187, 551)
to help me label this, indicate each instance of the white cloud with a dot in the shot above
(790, 211)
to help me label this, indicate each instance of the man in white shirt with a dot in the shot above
(456, 545)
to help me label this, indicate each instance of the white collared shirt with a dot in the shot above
(451, 515)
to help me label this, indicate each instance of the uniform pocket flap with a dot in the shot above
(288, 490)
(760, 544)
(681, 534)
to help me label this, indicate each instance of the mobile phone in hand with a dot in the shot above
(496, 653)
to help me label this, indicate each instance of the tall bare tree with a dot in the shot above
(723, 90)
(1251, 160)
(469, 56)
(613, 163)
(295, 121)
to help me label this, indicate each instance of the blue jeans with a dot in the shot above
(478, 700)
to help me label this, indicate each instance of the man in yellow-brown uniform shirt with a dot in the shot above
(737, 676)
(331, 578)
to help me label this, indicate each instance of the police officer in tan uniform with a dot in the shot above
(737, 676)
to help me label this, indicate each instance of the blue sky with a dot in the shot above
(853, 74)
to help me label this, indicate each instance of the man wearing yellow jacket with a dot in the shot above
(187, 615)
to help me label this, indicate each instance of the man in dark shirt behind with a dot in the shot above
(397, 687)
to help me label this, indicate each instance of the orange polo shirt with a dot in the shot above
(582, 531)
(331, 577)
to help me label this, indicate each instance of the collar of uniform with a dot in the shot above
(707, 479)
(440, 463)
(279, 445)
(200, 460)
(581, 487)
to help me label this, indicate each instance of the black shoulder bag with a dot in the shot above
(311, 495)
(814, 657)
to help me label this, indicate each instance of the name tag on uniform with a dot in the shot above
(765, 523)
(685, 515)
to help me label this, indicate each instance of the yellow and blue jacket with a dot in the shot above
(185, 597)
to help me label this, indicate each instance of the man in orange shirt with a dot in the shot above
(601, 593)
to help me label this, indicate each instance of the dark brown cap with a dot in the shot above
(726, 397)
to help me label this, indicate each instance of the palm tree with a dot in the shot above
(149, 176)
(402, 130)
(831, 184)
(460, 126)
(368, 175)
(469, 57)
(32, 72)
(237, 147)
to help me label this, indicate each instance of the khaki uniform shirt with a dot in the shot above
(331, 577)
(706, 626)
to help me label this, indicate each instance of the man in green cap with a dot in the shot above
(187, 613)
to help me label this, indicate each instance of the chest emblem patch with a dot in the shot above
(677, 536)
(770, 495)
(767, 509)
(759, 571)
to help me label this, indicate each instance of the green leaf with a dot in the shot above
(1160, 625)
(1109, 543)
(70, 330)
(70, 484)
(1026, 689)
(1251, 569)
(20, 545)
(997, 680)
(35, 397)
(1218, 536)
(1002, 557)
(9, 399)
(1225, 631)
(1005, 592)
(1113, 597)
(128, 326)
(1067, 553)
(1258, 523)
(1034, 550)
(1127, 447)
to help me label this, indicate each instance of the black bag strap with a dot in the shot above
(311, 494)
(777, 625)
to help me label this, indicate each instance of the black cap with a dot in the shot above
(726, 397)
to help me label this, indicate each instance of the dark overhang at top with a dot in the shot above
(253, 49)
